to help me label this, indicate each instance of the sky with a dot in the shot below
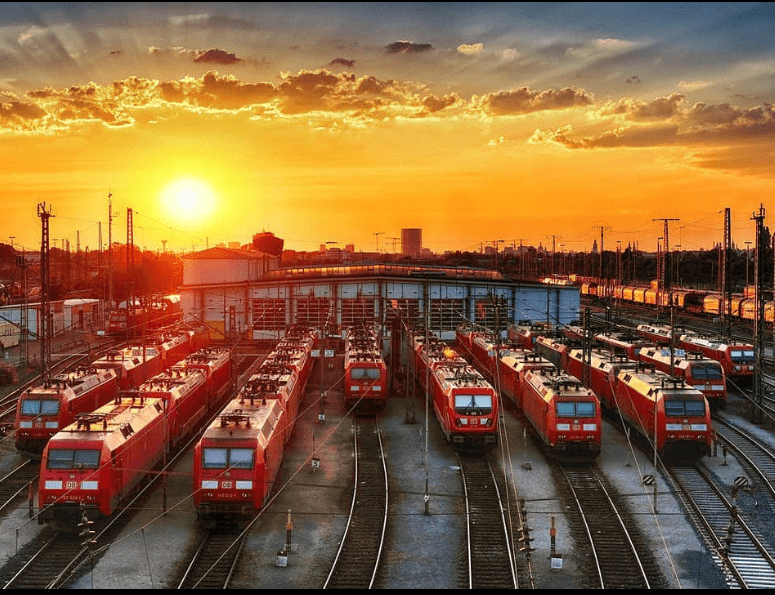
(483, 124)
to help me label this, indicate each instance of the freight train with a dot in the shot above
(465, 404)
(237, 460)
(92, 466)
(44, 410)
(365, 373)
(740, 307)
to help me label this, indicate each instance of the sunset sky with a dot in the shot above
(346, 122)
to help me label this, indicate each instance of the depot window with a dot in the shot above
(223, 458)
(675, 408)
(575, 409)
(365, 374)
(473, 404)
(69, 458)
(40, 407)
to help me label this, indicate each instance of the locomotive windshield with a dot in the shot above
(73, 458)
(575, 409)
(742, 356)
(223, 458)
(692, 408)
(365, 374)
(473, 404)
(40, 407)
(708, 371)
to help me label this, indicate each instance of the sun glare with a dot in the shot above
(189, 200)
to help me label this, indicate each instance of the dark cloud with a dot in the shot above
(633, 80)
(526, 100)
(408, 47)
(342, 62)
(216, 56)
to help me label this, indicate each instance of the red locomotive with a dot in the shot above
(525, 332)
(698, 371)
(512, 367)
(602, 370)
(555, 350)
(673, 416)
(365, 373)
(480, 347)
(133, 365)
(42, 411)
(661, 335)
(737, 359)
(465, 404)
(89, 388)
(565, 414)
(239, 455)
(625, 342)
(101, 458)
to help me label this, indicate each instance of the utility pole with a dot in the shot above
(664, 271)
(725, 308)
(110, 250)
(130, 269)
(45, 306)
(759, 323)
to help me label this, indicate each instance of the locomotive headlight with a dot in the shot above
(673, 427)
(89, 485)
(699, 427)
(356, 387)
(563, 427)
(25, 424)
(590, 427)
(244, 485)
(463, 421)
(209, 485)
(52, 425)
(376, 388)
(53, 484)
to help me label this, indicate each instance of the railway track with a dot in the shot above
(360, 552)
(491, 561)
(16, 484)
(214, 562)
(734, 544)
(614, 548)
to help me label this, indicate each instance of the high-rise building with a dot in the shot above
(411, 242)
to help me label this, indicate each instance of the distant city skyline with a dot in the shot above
(344, 123)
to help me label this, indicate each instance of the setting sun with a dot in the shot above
(189, 199)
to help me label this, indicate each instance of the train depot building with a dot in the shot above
(244, 294)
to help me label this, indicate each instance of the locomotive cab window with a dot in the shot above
(69, 458)
(575, 409)
(40, 407)
(222, 458)
(473, 404)
(675, 408)
(707, 372)
(365, 374)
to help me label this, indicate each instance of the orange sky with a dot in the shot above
(214, 150)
